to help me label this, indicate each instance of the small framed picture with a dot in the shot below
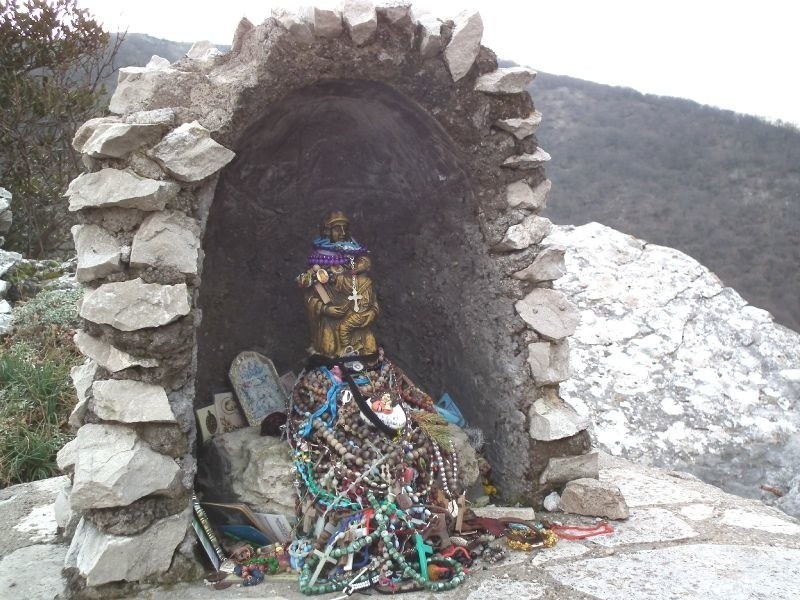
(229, 416)
(208, 423)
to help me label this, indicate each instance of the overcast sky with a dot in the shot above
(735, 55)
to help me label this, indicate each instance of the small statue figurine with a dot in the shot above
(340, 301)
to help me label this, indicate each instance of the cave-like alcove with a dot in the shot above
(364, 148)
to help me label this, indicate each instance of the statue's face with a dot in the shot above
(338, 232)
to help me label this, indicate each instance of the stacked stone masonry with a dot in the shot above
(152, 169)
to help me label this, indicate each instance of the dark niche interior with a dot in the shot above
(364, 148)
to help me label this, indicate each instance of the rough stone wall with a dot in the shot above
(143, 207)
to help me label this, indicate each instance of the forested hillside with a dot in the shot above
(722, 187)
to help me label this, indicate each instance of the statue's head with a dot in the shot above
(336, 226)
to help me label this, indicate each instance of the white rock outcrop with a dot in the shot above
(673, 368)
(113, 467)
(548, 313)
(189, 154)
(131, 305)
(129, 401)
(99, 253)
(111, 358)
(167, 239)
(508, 80)
(114, 188)
(103, 558)
(465, 43)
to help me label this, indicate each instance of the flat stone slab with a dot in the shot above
(549, 313)
(167, 239)
(113, 187)
(134, 304)
(646, 525)
(189, 154)
(107, 356)
(692, 572)
(129, 401)
(748, 519)
(527, 161)
(33, 573)
(508, 80)
(641, 489)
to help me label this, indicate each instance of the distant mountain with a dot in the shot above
(722, 187)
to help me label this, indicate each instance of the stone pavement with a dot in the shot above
(684, 540)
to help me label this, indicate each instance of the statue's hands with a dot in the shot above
(330, 310)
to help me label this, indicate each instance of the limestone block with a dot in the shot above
(117, 140)
(98, 252)
(189, 154)
(324, 23)
(594, 498)
(547, 266)
(294, 24)
(549, 362)
(507, 80)
(465, 43)
(61, 507)
(569, 468)
(521, 128)
(139, 87)
(112, 359)
(520, 195)
(429, 32)
(129, 401)
(7, 260)
(527, 161)
(532, 230)
(167, 239)
(203, 51)
(132, 305)
(360, 20)
(66, 457)
(102, 558)
(113, 467)
(551, 501)
(398, 16)
(159, 116)
(4, 287)
(551, 419)
(6, 216)
(549, 313)
(244, 466)
(89, 128)
(144, 166)
(112, 187)
(82, 378)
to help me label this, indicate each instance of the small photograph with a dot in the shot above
(229, 415)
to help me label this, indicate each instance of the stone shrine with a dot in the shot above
(196, 203)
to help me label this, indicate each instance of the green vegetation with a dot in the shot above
(36, 393)
(54, 59)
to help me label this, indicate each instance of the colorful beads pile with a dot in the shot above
(373, 508)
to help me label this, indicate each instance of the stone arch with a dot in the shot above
(195, 143)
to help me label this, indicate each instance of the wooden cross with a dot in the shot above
(324, 557)
(355, 297)
(422, 549)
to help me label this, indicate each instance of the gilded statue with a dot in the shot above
(340, 301)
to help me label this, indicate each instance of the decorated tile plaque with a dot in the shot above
(257, 385)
